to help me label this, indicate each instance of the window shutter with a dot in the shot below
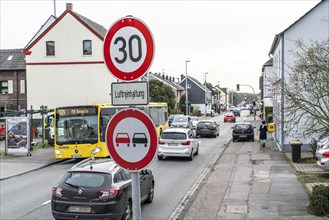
(10, 86)
(22, 82)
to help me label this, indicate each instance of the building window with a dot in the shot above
(4, 87)
(50, 47)
(87, 47)
(22, 84)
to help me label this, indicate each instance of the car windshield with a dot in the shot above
(241, 126)
(173, 135)
(180, 119)
(87, 179)
(77, 128)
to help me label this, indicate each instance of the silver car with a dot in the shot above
(182, 122)
(178, 142)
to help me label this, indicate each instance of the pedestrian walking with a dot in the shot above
(263, 133)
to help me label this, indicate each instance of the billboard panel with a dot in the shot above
(18, 135)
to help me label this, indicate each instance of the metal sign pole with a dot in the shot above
(136, 195)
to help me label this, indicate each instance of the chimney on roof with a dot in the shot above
(170, 78)
(182, 77)
(69, 6)
(166, 77)
(163, 76)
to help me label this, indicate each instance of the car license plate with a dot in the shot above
(77, 156)
(81, 209)
(243, 136)
(172, 144)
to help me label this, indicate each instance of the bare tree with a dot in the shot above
(306, 92)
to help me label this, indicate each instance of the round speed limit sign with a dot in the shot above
(128, 49)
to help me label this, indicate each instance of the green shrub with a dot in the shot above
(319, 201)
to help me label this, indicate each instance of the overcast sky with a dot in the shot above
(228, 39)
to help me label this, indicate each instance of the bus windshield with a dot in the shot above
(77, 129)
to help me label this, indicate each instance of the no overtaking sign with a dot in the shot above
(131, 139)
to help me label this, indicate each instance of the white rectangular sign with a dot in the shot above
(129, 93)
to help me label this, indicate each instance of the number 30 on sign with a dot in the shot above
(128, 49)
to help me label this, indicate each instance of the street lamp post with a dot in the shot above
(205, 93)
(186, 102)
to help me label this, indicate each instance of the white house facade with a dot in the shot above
(268, 75)
(65, 65)
(313, 26)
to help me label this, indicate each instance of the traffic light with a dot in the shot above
(237, 87)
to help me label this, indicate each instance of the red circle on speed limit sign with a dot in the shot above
(128, 49)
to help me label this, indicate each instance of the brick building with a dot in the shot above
(12, 80)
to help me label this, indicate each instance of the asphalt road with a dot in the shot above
(28, 196)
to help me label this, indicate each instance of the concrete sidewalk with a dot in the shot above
(17, 164)
(249, 182)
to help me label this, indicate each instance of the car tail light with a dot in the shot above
(186, 143)
(110, 193)
(115, 192)
(325, 154)
(162, 142)
(57, 191)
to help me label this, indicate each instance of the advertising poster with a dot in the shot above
(17, 132)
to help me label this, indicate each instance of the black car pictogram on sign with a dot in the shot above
(139, 138)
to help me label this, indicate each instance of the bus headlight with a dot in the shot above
(58, 152)
(96, 150)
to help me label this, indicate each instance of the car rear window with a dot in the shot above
(242, 126)
(87, 179)
(204, 124)
(180, 119)
(173, 135)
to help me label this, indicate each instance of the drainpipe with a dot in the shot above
(17, 92)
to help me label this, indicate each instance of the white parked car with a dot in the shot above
(322, 152)
(323, 156)
(178, 142)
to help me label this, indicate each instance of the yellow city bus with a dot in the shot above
(79, 131)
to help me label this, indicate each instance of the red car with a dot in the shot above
(122, 138)
(229, 117)
(2, 130)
